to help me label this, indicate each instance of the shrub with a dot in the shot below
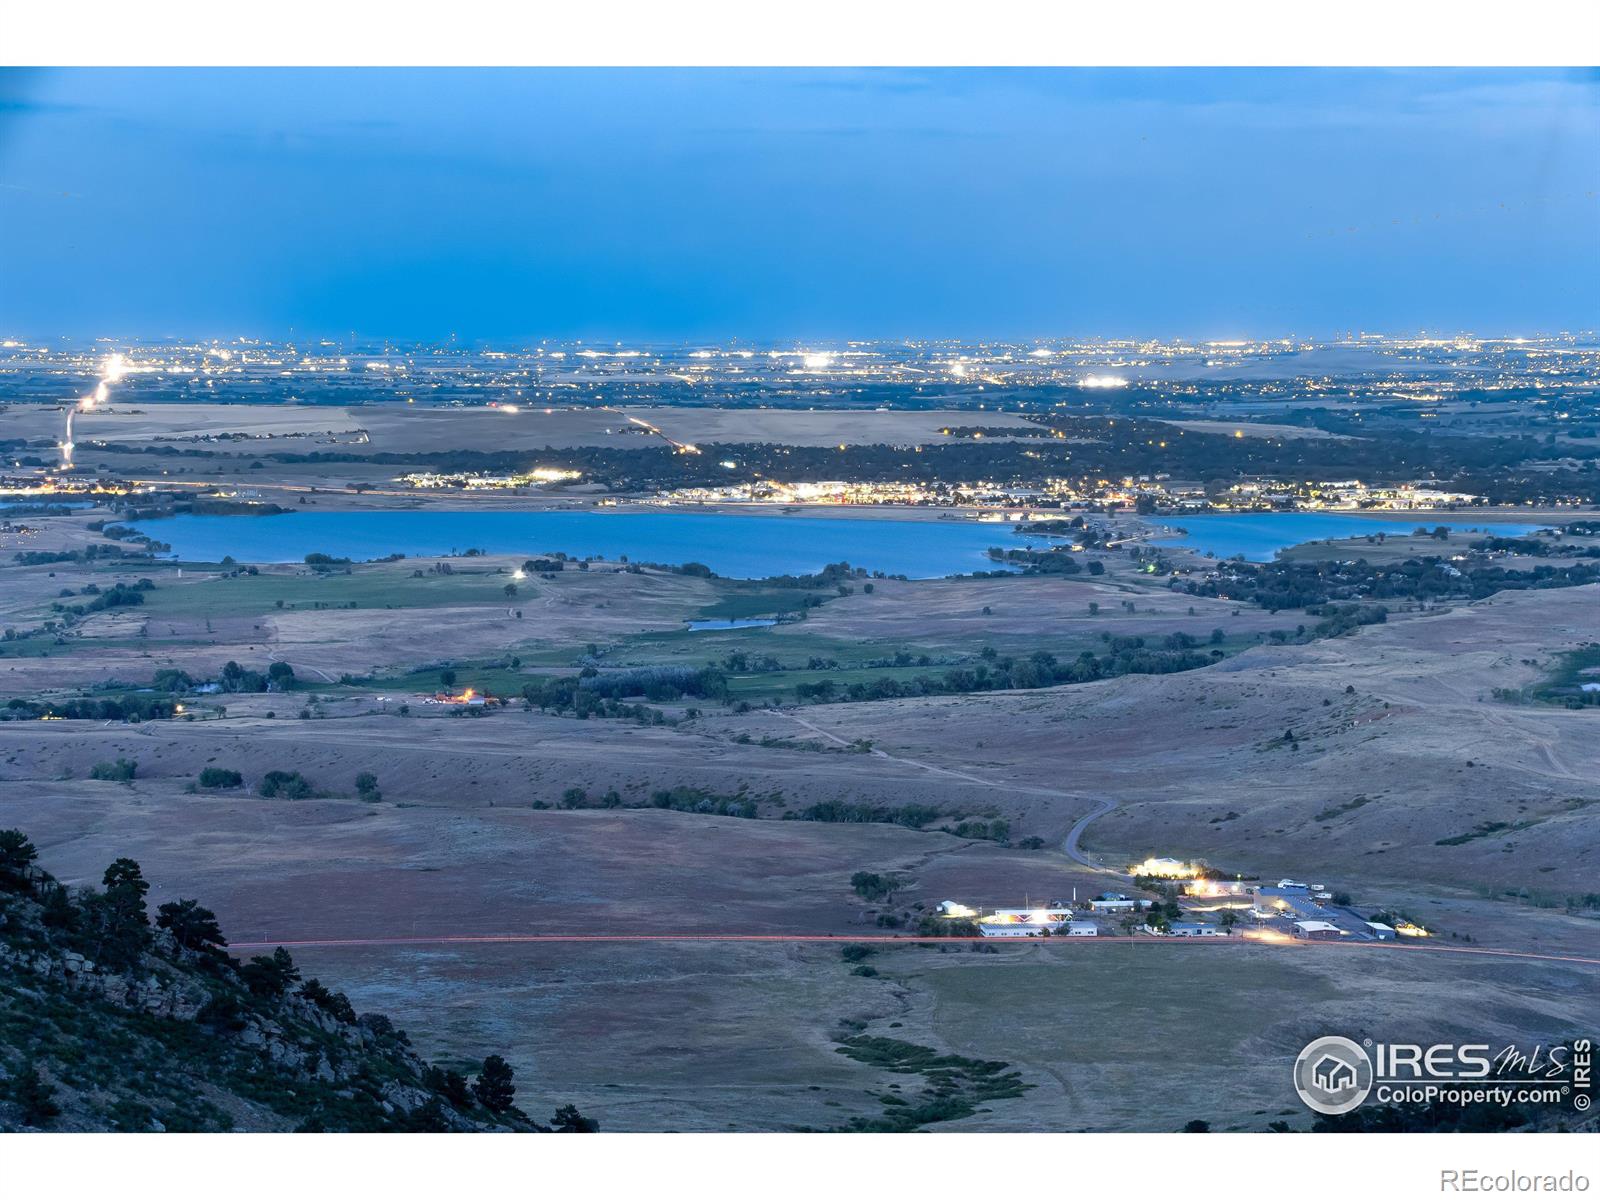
(869, 885)
(220, 777)
(121, 771)
(285, 785)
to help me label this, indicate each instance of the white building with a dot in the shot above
(1003, 930)
(1116, 903)
(1188, 929)
(1317, 931)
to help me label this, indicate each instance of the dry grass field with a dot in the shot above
(1407, 783)
(1257, 429)
(253, 429)
(718, 1035)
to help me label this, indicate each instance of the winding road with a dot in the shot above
(1073, 850)
(1071, 846)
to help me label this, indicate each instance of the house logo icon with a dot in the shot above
(1333, 1075)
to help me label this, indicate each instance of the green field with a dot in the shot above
(737, 604)
(251, 595)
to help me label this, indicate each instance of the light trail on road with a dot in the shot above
(845, 938)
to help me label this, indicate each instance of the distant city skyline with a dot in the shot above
(785, 206)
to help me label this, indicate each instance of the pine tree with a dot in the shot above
(36, 1096)
(16, 856)
(569, 1120)
(493, 1087)
(192, 926)
(126, 889)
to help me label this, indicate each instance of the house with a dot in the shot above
(1116, 902)
(1023, 922)
(1039, 916)
(1189, 929)
(1002, 930)
(1384, 933)
(1214, 888)
(1166, 868)
(1317, 931)
(1083, 929)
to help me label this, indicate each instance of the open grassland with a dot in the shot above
(245, 430)
(1408, 780)
(1399, 749)
(719, 1035)
(388, 617)
(724, 1037)
(1399, 744)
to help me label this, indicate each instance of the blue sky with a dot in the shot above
(774, 205)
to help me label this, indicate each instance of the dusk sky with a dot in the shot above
(776, 205)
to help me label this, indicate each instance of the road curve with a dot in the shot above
(1075, 852)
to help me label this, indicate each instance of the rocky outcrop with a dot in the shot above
(183, 1037)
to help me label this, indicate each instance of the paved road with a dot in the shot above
(1073, 851)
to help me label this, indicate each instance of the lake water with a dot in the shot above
(737, 623)
(738, 547)
(1259, 536)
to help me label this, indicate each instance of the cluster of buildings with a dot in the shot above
(1288, 908)
(938, 494)
(468, 698)
(1205, 907)
(46, 487)
(1348, 495)
(1053, 919)
(1141, 493)
(473, 481)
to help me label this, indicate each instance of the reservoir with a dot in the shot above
(735, 546)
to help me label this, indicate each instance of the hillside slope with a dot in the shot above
(110, 1022)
